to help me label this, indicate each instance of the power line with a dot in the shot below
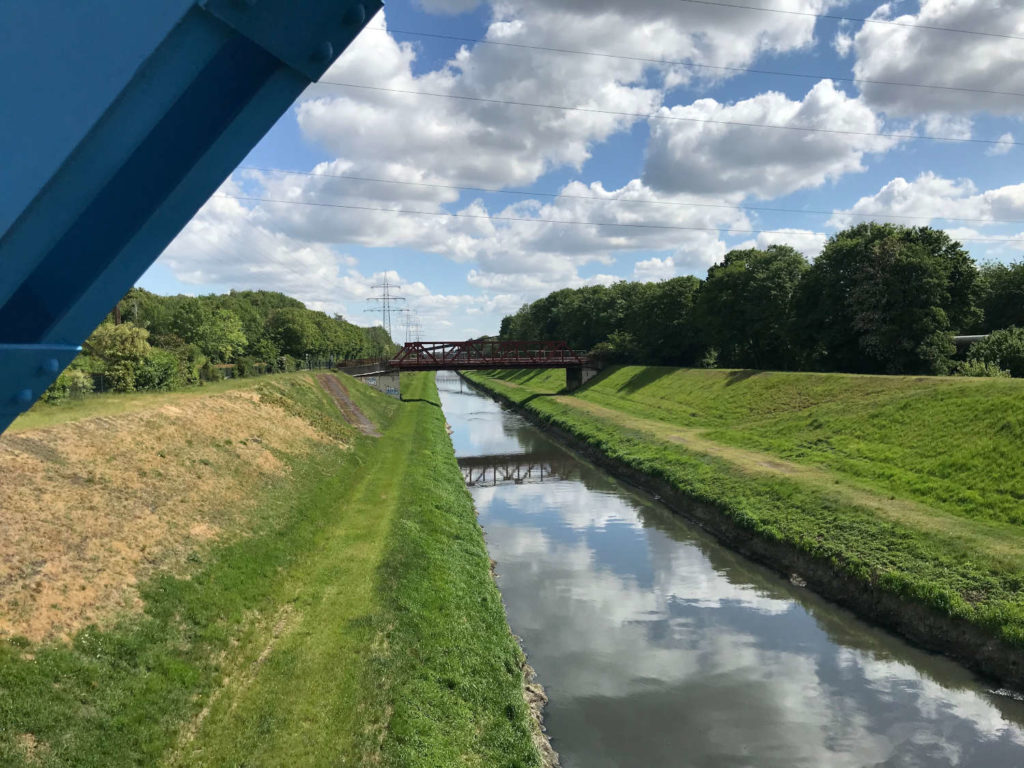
(677, 203)
(891, 22)
(529, 220)
(658, 116)
(692, 65)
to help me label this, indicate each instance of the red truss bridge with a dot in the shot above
(484, 355)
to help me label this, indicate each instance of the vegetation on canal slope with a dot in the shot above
(906, 484)
(349, 618)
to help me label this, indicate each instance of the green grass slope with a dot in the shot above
(954, 443)
(906, 485)
(361, 627)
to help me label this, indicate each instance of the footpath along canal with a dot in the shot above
(659, 647)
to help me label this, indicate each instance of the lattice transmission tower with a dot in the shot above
(413, 327)
(385, 304)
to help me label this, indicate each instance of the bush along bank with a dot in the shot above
(946, 582)
(350, 619)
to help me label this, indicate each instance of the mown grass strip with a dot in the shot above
(453, 669)
(924, 566)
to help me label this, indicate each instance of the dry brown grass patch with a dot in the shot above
(91, 507)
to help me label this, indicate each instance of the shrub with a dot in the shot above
(160, 370)
(245, 366)
(71, 383)
(1004, 348)
(121, 376)
(210, 372)
(286, 364)
(709, 359)
(981, 369)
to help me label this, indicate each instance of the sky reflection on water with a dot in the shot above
(658, 647)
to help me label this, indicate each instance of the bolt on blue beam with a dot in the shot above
(122, 118)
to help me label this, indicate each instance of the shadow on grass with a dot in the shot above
(419, 400)
(643, 377)
(735, 377)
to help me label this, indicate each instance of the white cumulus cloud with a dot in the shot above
(697, 152)
(901, 54)
(1004, 146)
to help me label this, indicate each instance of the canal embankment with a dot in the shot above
(248, 574)
(898, 497)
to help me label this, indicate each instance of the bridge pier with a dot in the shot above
(577, 376)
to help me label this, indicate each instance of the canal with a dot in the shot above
(659, 647)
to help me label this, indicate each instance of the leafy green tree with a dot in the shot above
(657, 318)
(1001, 295)
(295, 333)
(671, 335)
(122, 349)
(884, 298)
(118, 343)
(217, 332)
(376, 343)
(746, 306)
(620, 347)
(1003, 348)
(160, 369)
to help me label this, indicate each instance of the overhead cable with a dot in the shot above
(676, 203)
(692, 65)
(856, 19)
(680, 118)
(573, 222)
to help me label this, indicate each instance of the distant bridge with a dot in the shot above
(486, 355)
(480, 356)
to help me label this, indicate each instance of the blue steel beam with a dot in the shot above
(120, 119)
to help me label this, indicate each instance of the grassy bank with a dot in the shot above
(906, 486)
(344, 614)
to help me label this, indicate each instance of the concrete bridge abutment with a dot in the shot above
(388, 382)
(577, 376)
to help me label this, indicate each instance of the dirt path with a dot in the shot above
(1006, 545)
(352, 413)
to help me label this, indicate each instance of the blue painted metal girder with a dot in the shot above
(170, 118)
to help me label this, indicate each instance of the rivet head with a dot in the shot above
(324, 52)
(355, 16)
(24, 397)
(52, 365)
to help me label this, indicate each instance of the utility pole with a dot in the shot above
(384, 303)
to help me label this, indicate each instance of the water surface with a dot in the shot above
(659, 647)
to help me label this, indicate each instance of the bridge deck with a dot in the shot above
(486, 355)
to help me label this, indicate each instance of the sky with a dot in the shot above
(661, 167)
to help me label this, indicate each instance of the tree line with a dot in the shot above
(880, 298)
(152, 342)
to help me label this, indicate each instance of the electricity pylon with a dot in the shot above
(384, 304)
